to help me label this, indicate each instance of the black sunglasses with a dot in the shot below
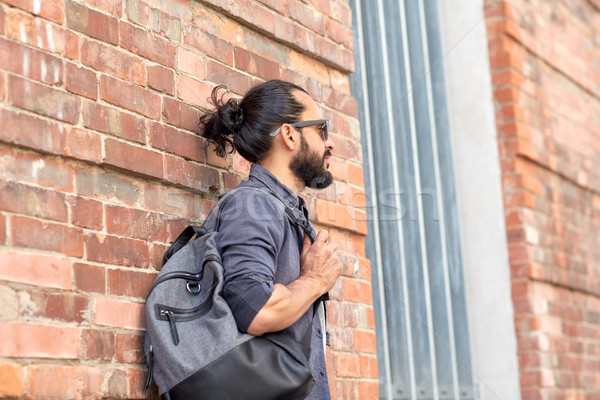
(324, 127)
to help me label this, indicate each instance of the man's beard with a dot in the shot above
(308, 166)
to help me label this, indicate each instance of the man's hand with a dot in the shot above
(319, 261)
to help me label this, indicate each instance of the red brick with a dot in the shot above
(130, 97)
(119, 314)
(29, 62)
(135, 224)
(51, 11)
(209, 44)
(104, 185)
(161, 79)
(177, 142)
(71, 45)
(339, 33)
(192, 175)
(174, 201)
(2, 86)
(97, 345)
(117, 251)
(138, 12)
(147, 45)
(347, 365)
(132, 158)
(308, 16)
(13, 123)
(64, 307)
(237, 82)
(364, 342)
(86, 213)
(2, 229)
(129, 283)
(194, 92)
(11, 380)
(256, 65)
(31, 340)
(89, 278)
(1, 21)
(34, 31)
(368, 366)
(129, 348)
(36, 234)
(64, 382)
(368, 390)
(179, 114)
(92, 23)
(191, 63)
(43, 100)
(35, 269)
(114, 122)
(81, 81)
(262, 18)
(83, 145)
(33, 168)
(28, 200)
(113, 61)
(112, 7)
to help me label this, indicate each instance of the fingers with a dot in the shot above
(322, 237)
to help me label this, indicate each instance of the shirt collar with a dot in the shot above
(284, 193)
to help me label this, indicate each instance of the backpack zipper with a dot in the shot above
(174, 315)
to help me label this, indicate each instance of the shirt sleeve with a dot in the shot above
(250, 236)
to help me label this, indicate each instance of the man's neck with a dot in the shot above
(283, 174)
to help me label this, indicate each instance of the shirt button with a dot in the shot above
(320, 331)
(323, 372)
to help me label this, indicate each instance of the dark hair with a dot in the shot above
(245, 124)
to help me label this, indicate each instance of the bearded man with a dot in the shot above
(274, 271)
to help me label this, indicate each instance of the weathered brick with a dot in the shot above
(29, 62)
(86, 213)
(35, 269)
(130, 97)
(51, 237)
(173, 201)
(2, 86)
(104, 185)
(138, 12)
(51, 11)
(92, 23)
(119, 314)
(129, 348)
(83, 145)
(308, 16)
(339, 33)
(117, 251)
(194, 92)
(161, 79)
(21, 339)
(43, 100)
(114, 122)
(34, 31)
(133, 158)
(33, 201)
(347, 365)
(135, 224)
(32, 168)
(191, 63)
(2, 229)
(237, 82)
(66, 307)
(129, 283)
(180, 114)
(81, 81)
(256, 65)
(147, 45)
(208, 44)
(113, 7)
(113, 61)
(176, 142)
(97, 345)
(64, 382)
(89, 278)
(192, 175)
(11, 380)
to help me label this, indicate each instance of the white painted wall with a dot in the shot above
(479, 194)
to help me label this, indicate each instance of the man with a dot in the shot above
(273, 271)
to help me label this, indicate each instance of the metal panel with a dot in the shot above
(413, 243)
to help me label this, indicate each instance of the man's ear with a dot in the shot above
(290, 137)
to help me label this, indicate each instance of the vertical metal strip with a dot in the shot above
(383, 331)
(423, 240)
(439, 197)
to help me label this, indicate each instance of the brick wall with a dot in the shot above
(101, 168)
(546, 76)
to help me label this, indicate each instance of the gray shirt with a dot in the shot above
(260, 247)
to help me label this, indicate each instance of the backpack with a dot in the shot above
(192, 344)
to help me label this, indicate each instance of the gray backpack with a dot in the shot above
(193, 347)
